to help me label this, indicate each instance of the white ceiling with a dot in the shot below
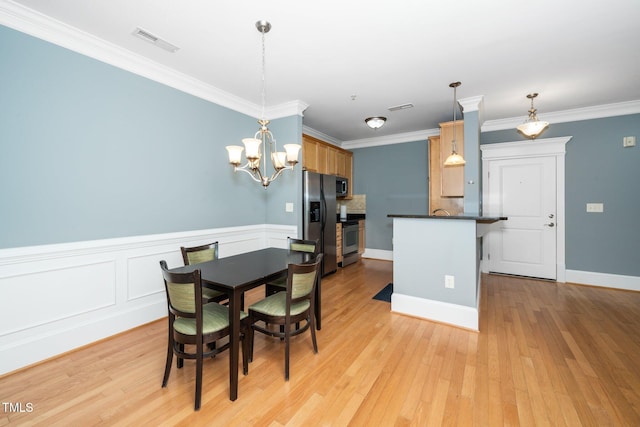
(576, 54)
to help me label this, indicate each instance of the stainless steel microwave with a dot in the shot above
(342, 187)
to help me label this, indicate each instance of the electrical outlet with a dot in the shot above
(595, 207)
(449, 281)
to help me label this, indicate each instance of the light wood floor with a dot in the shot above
(547, 354)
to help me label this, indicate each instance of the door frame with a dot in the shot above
(546, 147)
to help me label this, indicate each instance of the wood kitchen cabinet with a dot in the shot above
(446, 180)
(361, 236)
(452, 183)
(309, 154)
(321, 157)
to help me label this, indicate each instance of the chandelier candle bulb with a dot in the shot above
(279, 159)
(235, 154)
(252, 147)
(292, 153)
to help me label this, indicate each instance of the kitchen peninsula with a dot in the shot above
(436, 266)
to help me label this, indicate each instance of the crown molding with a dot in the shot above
(574, 115)
(398, 138)
(33, 23)
(291, 108)
(322, 136)
(473, 103)
(30, 22)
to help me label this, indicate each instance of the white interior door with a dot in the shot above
(524, 190)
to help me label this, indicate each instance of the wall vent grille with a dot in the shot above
(152, 38)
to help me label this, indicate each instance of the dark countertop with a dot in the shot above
(478, 219)
(351, 217)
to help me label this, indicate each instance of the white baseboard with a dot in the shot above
(378, 254)
(452, 314)
(55, 298)
(616, 281)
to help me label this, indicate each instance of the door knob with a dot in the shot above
(549, 225)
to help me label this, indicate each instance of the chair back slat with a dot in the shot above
(302, 284)
(182, 296)
(199, 254)
(301, 279)
(298, 245)
(183, 290)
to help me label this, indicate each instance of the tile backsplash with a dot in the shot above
(357, 205)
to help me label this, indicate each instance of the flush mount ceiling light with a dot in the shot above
(454, 158)
(257, 146)
(532, 127)
(375, 122)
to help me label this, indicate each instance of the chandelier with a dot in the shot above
(256, 147)
(454, 158)
(532, 127)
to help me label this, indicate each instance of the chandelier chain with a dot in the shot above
(264, 75)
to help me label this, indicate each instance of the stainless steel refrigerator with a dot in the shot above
(319, 216)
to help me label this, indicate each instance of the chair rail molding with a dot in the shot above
(81, 292)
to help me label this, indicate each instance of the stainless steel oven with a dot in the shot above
(350, 237)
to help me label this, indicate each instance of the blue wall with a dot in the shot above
(89, 151)
(598, 169)
(395, 181)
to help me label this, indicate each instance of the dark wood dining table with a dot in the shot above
(239, 273)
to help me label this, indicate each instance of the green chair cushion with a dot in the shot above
(210, 293)
(276, 304)
(280, 282)
(215, 317)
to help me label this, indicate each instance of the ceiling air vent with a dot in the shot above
(401, 107)
(152, 38)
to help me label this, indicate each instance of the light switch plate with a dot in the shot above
(595, 207)
(288, 207)
(629, 141)
(449, 281)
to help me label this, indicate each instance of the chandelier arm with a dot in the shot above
(278, 172)
(253, 173)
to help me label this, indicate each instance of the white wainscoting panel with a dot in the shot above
(45, 296)
(55, 298)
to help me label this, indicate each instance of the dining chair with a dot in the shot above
(294, 305)
(195, 323)
(203, 253)
(296, 245)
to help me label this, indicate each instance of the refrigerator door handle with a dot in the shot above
(323, 214)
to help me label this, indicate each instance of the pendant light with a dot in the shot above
(532, 127)
(256, 147)
(454, 158)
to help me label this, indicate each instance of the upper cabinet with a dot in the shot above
(452, 184)
(322, 157)
(446, 183)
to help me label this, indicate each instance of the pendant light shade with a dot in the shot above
(532, 127)
(454, 158)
